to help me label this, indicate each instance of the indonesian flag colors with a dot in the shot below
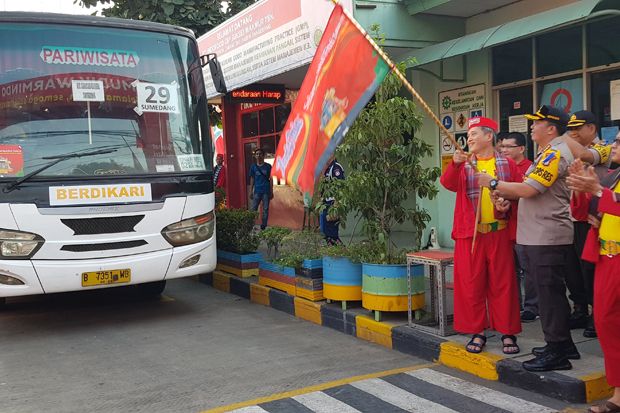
(343, 76)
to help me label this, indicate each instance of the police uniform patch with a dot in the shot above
(545, 171)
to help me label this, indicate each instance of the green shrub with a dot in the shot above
(298, 246)
(235, 231)
(273, 236)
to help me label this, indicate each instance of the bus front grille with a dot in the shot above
(113, 225)
(103, 247)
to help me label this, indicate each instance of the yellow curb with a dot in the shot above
(221, 281)
(597, 387)
(316, 387)
(278, 285)
(373, 331)
(308, 310)
(259, 294)
(482, 365)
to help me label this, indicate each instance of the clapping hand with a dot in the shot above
(577, 168)
(586, 181)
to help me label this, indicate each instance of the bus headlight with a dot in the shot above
(190, 231)
(18, 244)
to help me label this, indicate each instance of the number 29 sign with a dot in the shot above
(156, 97)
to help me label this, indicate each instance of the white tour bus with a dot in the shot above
(105, 155)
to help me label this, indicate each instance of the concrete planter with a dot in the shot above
(384, 287)
(277, 276)
(342, 279)
(309, 280)
(241, 265)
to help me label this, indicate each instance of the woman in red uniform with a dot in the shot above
(603, 249)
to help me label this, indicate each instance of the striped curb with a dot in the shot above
(585, 389)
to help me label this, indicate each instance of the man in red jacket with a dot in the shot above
(484, 272)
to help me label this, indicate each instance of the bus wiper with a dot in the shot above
(56, 159)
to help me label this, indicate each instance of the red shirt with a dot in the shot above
(523, 166)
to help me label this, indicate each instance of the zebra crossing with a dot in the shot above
(424, 390)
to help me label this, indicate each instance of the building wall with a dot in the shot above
(511, 12)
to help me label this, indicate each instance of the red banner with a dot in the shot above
(343, 76)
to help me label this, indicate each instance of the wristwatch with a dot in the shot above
(493, 184)
(599, 193)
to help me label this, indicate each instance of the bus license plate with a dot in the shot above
(90, 279)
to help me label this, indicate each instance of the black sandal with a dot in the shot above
(477, 346)
(513, 345)
(607, 407)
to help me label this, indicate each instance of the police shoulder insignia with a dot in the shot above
(545, 172)
(604, 152)
(549, 156)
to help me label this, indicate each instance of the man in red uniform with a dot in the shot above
(603, 249)
(484, 272)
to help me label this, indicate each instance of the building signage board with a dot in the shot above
(456, 106)
(269, 38)
(258, 93)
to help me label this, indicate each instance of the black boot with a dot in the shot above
(552, 359)
(579, 317)
(568, 349)
(590, 331)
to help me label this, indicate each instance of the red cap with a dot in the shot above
(482, 122)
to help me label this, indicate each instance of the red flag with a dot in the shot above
(343, 76)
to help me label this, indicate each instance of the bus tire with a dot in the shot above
(152, 289)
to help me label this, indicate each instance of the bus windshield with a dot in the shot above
(70, 89)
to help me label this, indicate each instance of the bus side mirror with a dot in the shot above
(216, 71)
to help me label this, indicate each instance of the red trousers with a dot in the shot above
(486, 280)
(607, 314)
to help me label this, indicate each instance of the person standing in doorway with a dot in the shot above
(485, 287)
(545, 234)
(261, 185)
(513, 147)
(219, 172)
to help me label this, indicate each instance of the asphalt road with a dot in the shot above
(194, 349)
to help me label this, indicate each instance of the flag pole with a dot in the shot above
(402, 78)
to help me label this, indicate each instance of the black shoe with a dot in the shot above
(550, 360)
(590, 331)
(578, 319)
(527, 316)
(569, 351)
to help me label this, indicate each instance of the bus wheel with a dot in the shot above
(151, 289)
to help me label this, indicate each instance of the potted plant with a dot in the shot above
(276, 271)
(385, 174)
(302, 250)
(237, 242)
(342, 274)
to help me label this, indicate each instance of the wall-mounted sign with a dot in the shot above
(565, 94)
(258, 93)
(268, 38)
(456, 106)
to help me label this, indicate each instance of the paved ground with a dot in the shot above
(193, 350)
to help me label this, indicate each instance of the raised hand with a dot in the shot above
(587, 182)
(577, 167)
(459, 157)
